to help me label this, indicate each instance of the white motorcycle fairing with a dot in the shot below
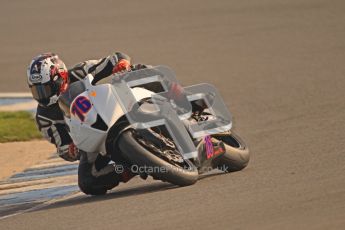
(93, 112)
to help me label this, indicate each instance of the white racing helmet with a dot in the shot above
(47, 78)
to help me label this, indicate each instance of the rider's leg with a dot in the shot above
(96, 176)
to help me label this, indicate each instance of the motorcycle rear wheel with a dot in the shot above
(237, 154)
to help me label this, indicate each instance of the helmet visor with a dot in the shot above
(42, 92)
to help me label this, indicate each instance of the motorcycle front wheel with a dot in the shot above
(139, 153)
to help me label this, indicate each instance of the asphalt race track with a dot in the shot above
(279, 65)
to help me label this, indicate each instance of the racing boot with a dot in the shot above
(96, 176)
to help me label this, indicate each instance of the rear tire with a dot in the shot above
(138, 155)
(236, 156)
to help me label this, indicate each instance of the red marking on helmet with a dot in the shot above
(64, 75)
(53, 71)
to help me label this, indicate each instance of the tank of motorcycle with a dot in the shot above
(92, 110)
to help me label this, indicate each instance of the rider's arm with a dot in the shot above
(54, 129)
(101, 68)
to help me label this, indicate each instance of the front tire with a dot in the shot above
(138, 155)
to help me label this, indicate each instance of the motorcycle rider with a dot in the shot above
(47, 78)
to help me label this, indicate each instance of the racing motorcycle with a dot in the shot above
(123, 120)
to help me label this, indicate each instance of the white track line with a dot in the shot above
(16, 95)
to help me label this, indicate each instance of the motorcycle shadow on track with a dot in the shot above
(114, 194)
(141, 189)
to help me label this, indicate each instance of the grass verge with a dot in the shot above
(17, 126)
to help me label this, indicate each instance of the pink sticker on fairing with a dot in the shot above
(209, 147)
